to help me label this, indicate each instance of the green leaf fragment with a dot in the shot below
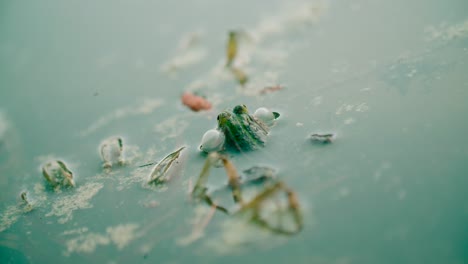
(159, 173)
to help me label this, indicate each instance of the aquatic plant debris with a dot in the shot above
(57, 174)
(322, 138)
(255, 209)
(195, 102)
(231, 48)
(64, 206)
(271, 89)
(240, 76)
(111, 151)
(119, 235)
(159, 174)
(12, 214)
(28, 205)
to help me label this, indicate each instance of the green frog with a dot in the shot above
(243, 131)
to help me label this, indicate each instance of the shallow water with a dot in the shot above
(389, 78)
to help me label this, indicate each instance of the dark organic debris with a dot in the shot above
(322, 138)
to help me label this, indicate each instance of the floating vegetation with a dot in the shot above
(160, 174)
(57, 174)
(269, 211)
(64, 206)
(111, 151)
(120, 236)
(271, 89)
(231, 48)
(195, 102)
(322, 138)
(11, 214)
(242, 131)
(239, 75)
(232, 51)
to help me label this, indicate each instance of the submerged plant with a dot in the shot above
(256, 209)
(57, 174)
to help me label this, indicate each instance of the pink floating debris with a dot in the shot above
(271, 89)
(195, 102)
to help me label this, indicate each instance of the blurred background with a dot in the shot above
(387, 77)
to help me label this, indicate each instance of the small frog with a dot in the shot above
(243, 131)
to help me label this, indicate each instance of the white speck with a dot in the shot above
(412, 73)
(365, 89)
(120, 236)
(299, 124)
(349, 121)
(363, 107)
(349, 108)
(317, 100)
(344, 108)
(77, 231)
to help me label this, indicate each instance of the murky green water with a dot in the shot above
(389, 77)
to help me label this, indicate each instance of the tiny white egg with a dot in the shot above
(212, 140)
(266, 116)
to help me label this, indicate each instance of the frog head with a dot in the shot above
(240, 109)
(224, 118)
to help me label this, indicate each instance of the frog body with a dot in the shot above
(243, 131)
